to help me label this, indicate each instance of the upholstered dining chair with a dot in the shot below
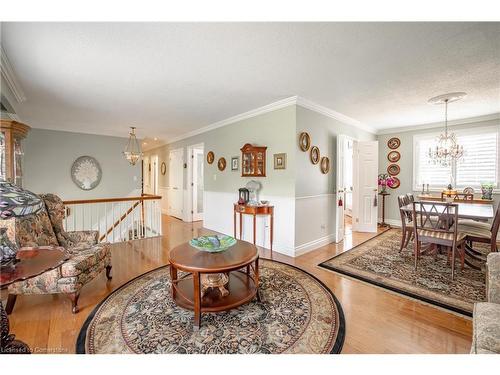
(87, 258)
(436, 223)
(481, 232)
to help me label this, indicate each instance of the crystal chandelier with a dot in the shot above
(133, 150)
(447, 149)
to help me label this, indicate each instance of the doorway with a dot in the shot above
(175, 183)
(195, 181)
(357, 170)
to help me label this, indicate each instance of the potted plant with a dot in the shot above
(487, 190)
(385, 180)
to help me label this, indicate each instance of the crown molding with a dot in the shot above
(9, 76)
(292, 100)
(334, 115)
(243, 116)
(433, 125)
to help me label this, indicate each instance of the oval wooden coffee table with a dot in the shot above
(237, 270)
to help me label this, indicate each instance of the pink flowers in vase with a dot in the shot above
(385, 180)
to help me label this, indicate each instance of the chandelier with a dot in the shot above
(447, 149)
(133, 150)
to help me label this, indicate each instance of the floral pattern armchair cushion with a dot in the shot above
(68, 240)
(35, 230)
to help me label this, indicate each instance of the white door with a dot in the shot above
(365, 189)
(176, 183)
(197, 190)
(340, 197)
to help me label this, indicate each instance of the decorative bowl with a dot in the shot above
(213, 244)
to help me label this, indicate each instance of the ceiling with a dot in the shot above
(172, 78)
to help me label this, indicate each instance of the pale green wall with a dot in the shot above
(49, 154)
(276, 130)
(406, 163)
(323, 131)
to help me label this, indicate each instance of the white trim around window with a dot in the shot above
(481, 161)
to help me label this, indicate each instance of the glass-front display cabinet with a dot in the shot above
(12, 134)
(253, 161)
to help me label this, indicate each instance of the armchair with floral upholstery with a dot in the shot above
(87, 258)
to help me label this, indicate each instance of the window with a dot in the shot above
(479, 164)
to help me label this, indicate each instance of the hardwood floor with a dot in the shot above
(377, 321)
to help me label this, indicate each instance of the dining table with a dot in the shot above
(473, 211)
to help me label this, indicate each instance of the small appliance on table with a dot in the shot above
(214, 280)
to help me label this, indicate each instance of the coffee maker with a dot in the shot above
(244, 196)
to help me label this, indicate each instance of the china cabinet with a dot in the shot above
(12, 134)
(253, 161)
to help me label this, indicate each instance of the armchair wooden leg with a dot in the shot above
(11, 301)
(108, 272)
(74, 301)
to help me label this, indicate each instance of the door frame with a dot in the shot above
(342, 140)
(181, 150)
(188, 212)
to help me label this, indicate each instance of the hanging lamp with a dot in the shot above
(133, 150)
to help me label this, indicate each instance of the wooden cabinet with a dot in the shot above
(253, 161)
(12, 134)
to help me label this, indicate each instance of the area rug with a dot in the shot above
(297, 314)
(379, 262)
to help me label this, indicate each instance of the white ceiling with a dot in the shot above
(171, 78)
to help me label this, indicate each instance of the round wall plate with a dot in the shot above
(396, 183)
(314, 154)
(393, 143)
(393, 169)
(210, 157)
(325, 165)
(86, 172)
(304, 141)
(393, 156)
(221, 164)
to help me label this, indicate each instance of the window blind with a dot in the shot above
(427, 172)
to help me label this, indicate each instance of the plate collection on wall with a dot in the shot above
(393, 157)
(314, 153)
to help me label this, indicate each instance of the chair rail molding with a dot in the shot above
(8, 74)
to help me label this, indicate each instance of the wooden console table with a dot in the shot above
(244, 209)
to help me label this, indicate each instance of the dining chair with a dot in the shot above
(406, 222)
(457, 197)
(481, 232)
(436, 223)
(410, 197)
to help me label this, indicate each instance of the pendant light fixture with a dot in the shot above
(133, 150)
(447, 149)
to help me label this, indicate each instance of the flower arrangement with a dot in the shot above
(385, 180)
(487, 190)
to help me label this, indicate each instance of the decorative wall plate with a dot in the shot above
(86, 172)
(325, 165)
(393, 143)
(304, 141)
(210, 157)
(221, 164)
(314, 155)
(163, 168)
(393, 169)
(393, 156)
(396, 183)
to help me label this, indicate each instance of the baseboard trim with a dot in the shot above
(313, 245)
(391, 222)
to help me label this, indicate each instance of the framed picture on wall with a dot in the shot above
(280, 161)
(235, 163)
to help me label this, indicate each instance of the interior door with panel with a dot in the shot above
(176, 183)
(365, 187)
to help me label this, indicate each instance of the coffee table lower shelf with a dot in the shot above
(241, 286)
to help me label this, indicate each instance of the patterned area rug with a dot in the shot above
(298, 314)
(379, 262)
